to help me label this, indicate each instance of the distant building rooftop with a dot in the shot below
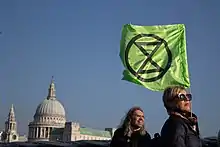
(94, 132)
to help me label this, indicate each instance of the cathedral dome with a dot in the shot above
(50, 107)
(50, 114)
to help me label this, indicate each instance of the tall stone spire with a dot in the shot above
(10, 124)
(10, 133)
(11, 114)
(51, 90)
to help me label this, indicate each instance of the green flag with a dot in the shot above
(155, 56)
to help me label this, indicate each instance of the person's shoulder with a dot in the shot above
(175, 121)
(119, 132)
(146, 139)
(147, 135)
(173, 124)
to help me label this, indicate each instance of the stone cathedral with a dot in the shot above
(10, 133)
(49, 123)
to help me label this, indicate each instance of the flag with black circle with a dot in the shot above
(155, 56)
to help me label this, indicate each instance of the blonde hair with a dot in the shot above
(169, 94)
(126, 122)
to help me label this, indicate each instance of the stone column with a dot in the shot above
(48, 132)
(37, 132)
(44, 132)
(40, 132)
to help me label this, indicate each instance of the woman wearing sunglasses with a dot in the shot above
(181, 128)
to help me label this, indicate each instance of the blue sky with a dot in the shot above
(77, 42)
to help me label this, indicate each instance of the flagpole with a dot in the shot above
(191, 101)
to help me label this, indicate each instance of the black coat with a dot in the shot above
(136, 140)
(178, 132)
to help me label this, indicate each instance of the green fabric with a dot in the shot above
(93, 132)
(155, 56)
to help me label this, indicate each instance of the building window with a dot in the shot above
(14, 137)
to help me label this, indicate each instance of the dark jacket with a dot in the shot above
(179, 132)
(136, 140)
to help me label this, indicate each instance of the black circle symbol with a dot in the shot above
(159, 41)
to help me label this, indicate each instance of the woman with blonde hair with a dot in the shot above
(131, 132)
(181, 128)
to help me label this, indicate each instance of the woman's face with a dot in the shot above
(138, 119)
(183, 104)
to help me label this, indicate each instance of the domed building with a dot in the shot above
(49, 114)
(50, 124)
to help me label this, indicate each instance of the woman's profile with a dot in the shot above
(181, 128)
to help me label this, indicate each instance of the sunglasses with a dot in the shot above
(184, 97)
